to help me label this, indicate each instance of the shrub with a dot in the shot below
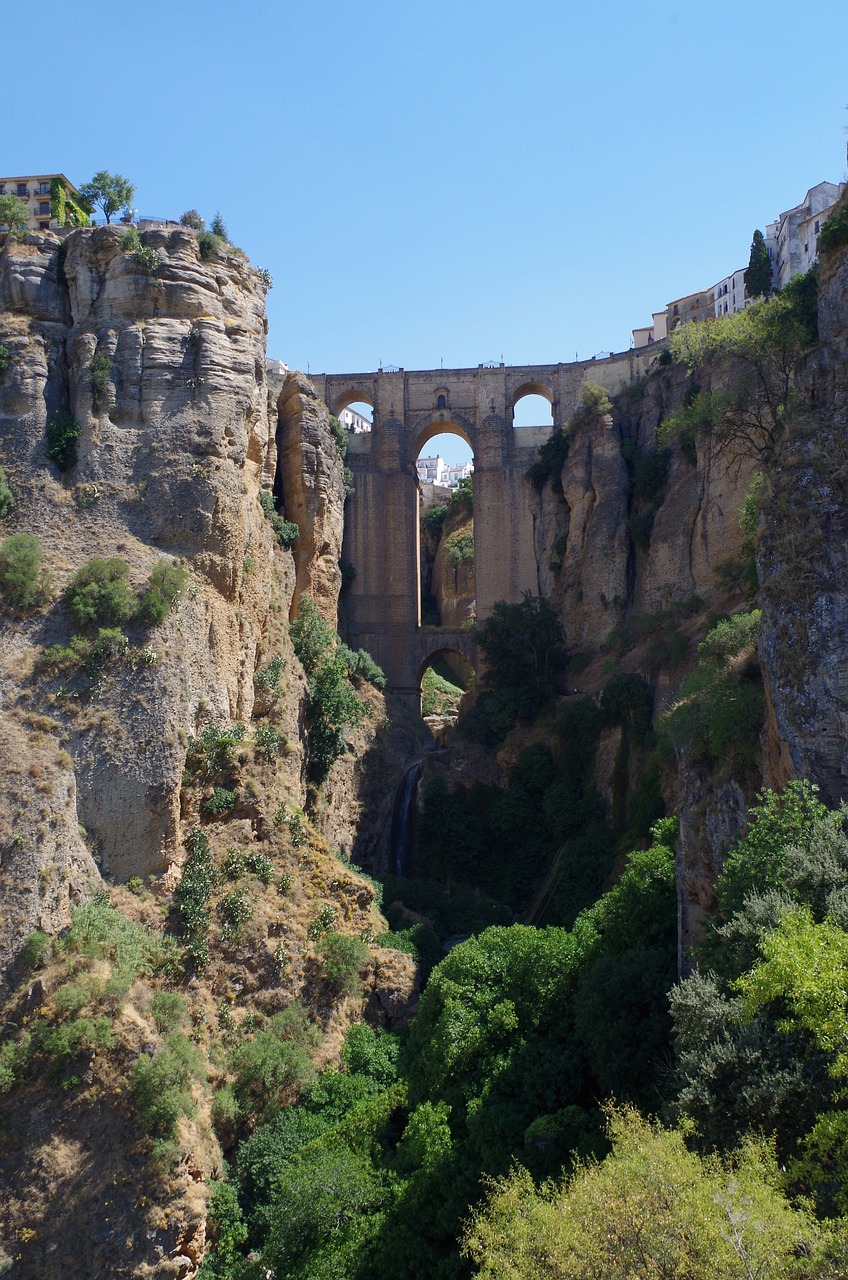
(285, 531)
(99, 375)
(323, 921)
(235, 910)
(343, 958)
(36, 951)
(63, 432)
(99, 593)
(5, 359)
(360, 664)
(191, 898)
(165, 585)
(161, 1084)
(209, 245)
(259, 864)
(147, 258)
(220, 802)
(168, 1009)
(312, 637)
(23, 582)
(6, 499)
(212, 751)
(433, 520)
(269, 743)
(459, 546)
(339, 435)
(274, 1063)
(130, 240)
(267, 678)
(834, 233)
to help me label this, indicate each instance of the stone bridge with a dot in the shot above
(382, 515)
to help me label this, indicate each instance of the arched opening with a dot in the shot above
(532, 406)
(444, 477)
(445, 678)
(354, 410)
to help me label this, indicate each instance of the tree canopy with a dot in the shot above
(109, 192)
(14, 213)
(758, 274)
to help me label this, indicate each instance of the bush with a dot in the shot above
(209, 244)
(63, 432)
(235, 911)
(220, 802)
(269, 743)
(99, 593)
(212, 751)
(161, 1084)
(165, 585)
(285, 531)
(271, 1066)
(360, 664)
(169, 1010)
(99, 376)
(343, 958)
(267, 678)
(147, 258)
(834, 233)
(339, 435)
(23, 582)
(6, 499)
(192, 895)
(312, 637)
(459, 547)
(5, 359)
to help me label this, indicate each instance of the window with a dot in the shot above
(442, 403)
(44, 188)
(23, 191)
(44, 208)
(818, 226)
(2, 188)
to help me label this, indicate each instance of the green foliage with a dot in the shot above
(109, 191)
(763, 346)
(14, 214)
(191, 218)
(213, 751)
(5, 359)
(758, 274)
(87, 653)
(459, 546)
(99, 593)
(348, 486)
(165, 585)
(343, 957)
(749, 515)
(834, 232)
(269, 743)
(524, 656)
(99, 377)
(323, 921)
(650, 1209)
(272, 1065)
(63, 432)
(161, 1084)
(339, 435)
(209, 245)
(147, 258)
(35, 952)
(221, 801)
(285, 531)
(312, 637)
(627, 700)
(130, 240)
(776, 822)
(433, 520)
(720, 711)
(218, 228)
(191, 897)
(267, 678)
(360, 665)
(332, 704)
(169, 1010)
(438, 695)
(23, 582)
(235, 910)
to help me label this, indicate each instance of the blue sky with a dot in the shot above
(455, 181)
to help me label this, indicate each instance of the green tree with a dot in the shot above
(758, 274)
(191, 218)
(109, 191)
(100, 593)
(22, 580)
(651, 1211)
(14, 214)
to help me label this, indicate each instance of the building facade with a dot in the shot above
(792, 239)
(53, 200)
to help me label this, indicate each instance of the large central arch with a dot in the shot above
(381, 517)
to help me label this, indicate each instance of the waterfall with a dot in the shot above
(401, 829)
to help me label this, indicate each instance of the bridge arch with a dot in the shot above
(352, 395)
(442, 423)
(538, 394)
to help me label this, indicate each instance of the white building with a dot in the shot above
(792, 239)
(353, 421)
(730, 294)
(434, 470)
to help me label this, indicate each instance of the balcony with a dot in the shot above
(22, 193)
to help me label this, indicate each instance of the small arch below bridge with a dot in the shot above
(533, 406)
(444, 677)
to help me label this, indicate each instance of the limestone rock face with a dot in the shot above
(803, 561)
(311, 477)
(170, 462)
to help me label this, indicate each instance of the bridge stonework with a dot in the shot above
(381, 538)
